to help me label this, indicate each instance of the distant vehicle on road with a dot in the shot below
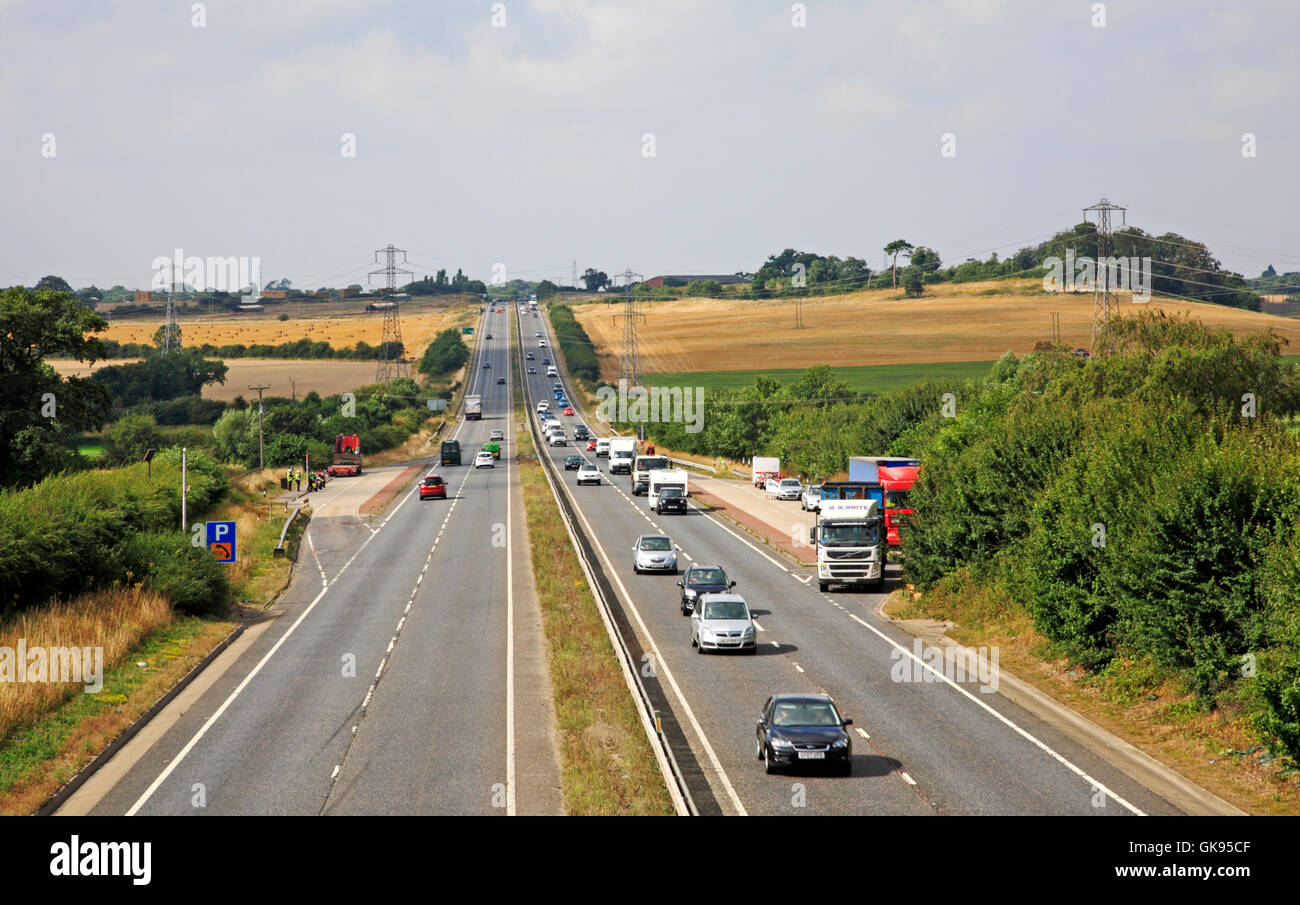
(662, 479)
(473, 408)
(588, 474)
(803, 729)
(591, 444)
(487, 364)
(573, 462)
(654, 553)
(493, 448)
(484, 459)
(432, 487)
(488, 335)
(722, 622)
(702, 579)
(450, 453)
(811, 498)
(621, 452)
(670, 499)
(568, 411)
(849, 543)
(602, 447)
(496, 434)
(764, 467)
(347, 456)
(529, 356)
(580, 432)
(785, 489)
(543, 406)
(532, 370)
(501, 380)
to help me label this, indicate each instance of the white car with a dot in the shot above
(557, 438)
(484, 459)
(543, 406)
(588, 474)
(602, 446)
(497, 435)
(811, 498)
(541, 344)
(722, 622)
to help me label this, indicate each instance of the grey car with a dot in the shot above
(789, 489)
(722, 622)
(654, 553)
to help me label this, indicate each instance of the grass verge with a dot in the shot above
(606, 763)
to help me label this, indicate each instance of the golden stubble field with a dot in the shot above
(966, 322)
(338, 323)
(290, 377)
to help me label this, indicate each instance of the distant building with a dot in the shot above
(146, 298)
(275, 293)
(726, 279)
(349, 292)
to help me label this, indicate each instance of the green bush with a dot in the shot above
(190, 576)
(445, 354)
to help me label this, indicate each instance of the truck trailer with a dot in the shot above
(896, 475)
(764, 467)
(347, 456)
(622, 451)
(473, 408)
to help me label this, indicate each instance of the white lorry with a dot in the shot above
(473, 408)
(622, 450)
(642, 467)
(667, 477)
(850, 542)
(764, 467)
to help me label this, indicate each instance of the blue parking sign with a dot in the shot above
(221, 540)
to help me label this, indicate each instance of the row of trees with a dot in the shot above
(299, 349)
(579, 351)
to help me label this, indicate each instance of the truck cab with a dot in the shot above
(641, 468)
(849, 543)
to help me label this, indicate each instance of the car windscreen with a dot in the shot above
(707, 576)
(666, 493)
(655, 543)
(848, 534)
(432, 482)
(725, 609)
(790, 482)
(804, 713)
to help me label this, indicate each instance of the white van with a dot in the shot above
(551, 372)
(602, 446)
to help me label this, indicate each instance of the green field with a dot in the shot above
(861, 378)
(91, 448)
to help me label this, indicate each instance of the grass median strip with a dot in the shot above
(606, 763)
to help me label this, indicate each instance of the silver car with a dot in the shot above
(722, 622)
(811, 498)
(654, 553)
(789, 489)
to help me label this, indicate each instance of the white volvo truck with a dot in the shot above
(850, 544)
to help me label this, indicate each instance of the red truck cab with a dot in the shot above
(347, 456)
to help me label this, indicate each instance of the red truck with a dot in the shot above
(347, 456)
(896, 475)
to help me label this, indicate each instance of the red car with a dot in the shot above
(591, 445)
(568, 410)
(432, 487)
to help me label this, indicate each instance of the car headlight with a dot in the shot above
(706, 633)
(783, 744)
(749, 632)
(691, 594)
(842, 742)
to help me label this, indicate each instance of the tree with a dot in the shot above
(129, 437)
(545, 288)
(445, 354)
(160, 334)
(894, 249)
(912, 284)
(926, 258)
(40, 412)
(595, 280)
(58, 284)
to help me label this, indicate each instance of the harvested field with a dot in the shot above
(325, 377)
(964, 322)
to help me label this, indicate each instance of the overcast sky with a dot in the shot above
(524, 145)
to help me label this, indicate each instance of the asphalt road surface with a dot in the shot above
(386, 684)
(919, 747)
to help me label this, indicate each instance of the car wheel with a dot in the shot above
(769, 765)
(758, 747)
(699, 648)
(822, 586)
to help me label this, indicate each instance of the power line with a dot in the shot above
(1105, 304)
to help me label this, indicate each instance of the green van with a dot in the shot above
(450, 452)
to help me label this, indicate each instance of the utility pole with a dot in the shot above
(392, 363)
(1105, 305)
(630, 365)
(798, 313)
(261, 446)
(184, 491)
(1056, 328)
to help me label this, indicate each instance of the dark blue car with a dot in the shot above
(803, 730)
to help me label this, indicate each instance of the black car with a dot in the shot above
(501, 380)
(671, 499)
(702, 579)
(572, 463)
(532, 370)
(803, 730)
(489, 336)
(529, 355)
(580, 432)
(487, 364)
(546, 361)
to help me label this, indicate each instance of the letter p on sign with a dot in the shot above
(221, 541)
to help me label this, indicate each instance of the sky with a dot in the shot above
(676, 136)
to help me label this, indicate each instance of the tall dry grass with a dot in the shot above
(116, 619)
